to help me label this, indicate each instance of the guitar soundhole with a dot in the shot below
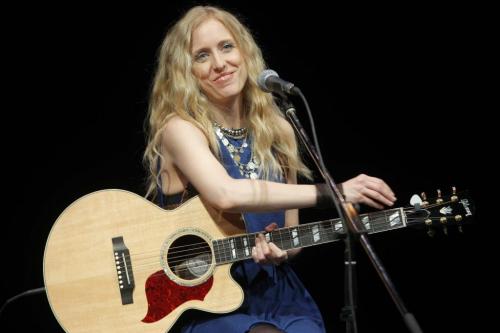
(189, 257)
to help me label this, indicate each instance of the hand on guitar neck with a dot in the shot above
(267, 252)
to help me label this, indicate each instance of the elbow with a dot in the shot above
(224, 199)
(223, 204)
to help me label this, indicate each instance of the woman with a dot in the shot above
(215, 133)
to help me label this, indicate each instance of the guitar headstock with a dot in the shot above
(441, 212)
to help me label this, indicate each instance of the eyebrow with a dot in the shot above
(222, 42)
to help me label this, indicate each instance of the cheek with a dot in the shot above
(236, 59)
(201, 72)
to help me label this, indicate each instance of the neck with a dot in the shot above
(230, 113)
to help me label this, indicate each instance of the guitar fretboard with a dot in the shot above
(239, 247)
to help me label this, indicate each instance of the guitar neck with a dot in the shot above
(237, 248)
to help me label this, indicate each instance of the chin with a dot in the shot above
(228, 93)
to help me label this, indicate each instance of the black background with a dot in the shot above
(398, 92)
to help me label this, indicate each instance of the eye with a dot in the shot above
(227, 46)
(201, 57)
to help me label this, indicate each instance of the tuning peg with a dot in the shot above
(454, 196)
(458, 219)
(443, 221)
(439, 198)
(430, 231)
(425, 202)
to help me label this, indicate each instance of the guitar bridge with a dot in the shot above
(124, 272)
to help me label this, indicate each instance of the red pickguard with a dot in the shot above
(164, 295)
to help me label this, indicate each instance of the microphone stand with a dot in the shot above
(354, 230)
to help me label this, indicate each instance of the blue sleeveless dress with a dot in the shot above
(273, 294)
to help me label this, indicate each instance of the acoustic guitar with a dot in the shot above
(115, 262)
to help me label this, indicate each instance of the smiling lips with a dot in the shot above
(224, 77)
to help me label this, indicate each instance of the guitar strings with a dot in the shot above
(226, 252)
(225, 256)
(161, 273)
(372, 221)
(176, 257)
(208, 266)
(305, 227)
(282, 230)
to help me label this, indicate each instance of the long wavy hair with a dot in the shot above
(175, 91)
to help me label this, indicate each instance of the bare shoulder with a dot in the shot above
(180, 135)
(176, 127)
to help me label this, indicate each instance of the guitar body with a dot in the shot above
(107, 264)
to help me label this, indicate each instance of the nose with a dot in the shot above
(219, 63)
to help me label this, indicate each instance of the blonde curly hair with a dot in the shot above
(175, 91)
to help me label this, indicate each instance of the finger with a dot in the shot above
(256, 251)
(259, 256)
(387, 190)
(377, 196)
(264, 247)
(279, 254)
(254, 254)
(380, 184)
(271, 227)
(370, 202)
(382, 188)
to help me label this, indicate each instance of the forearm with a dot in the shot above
(258, 195)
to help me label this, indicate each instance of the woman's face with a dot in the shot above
(217, 62)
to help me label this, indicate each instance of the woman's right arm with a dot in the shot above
(189, 150)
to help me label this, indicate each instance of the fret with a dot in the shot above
(288, 239)
(295, 237)
(316, 233)
(227, 250)
(222, 251)
(252, 239)
(240, 251)
(232, 248)
(278, 238)
(331, 228)
(386, 225)
(367, 223)
(395, 220)
(237, 248)
(327, 234)
(215, 244)
(306, 235)
(246, 247)
(380, 222)
(338, 227)
(402, 213)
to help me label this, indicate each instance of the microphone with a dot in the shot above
(269, 81)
